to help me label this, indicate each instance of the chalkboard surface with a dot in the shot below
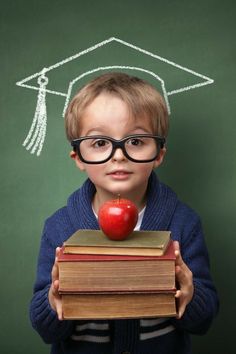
(197, 41)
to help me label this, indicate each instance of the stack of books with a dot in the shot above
(104, 279)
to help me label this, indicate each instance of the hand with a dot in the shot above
(184, 279)
(53, 295)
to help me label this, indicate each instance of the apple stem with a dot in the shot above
(119, 198)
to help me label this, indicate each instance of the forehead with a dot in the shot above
(106, 103)
(108, 110)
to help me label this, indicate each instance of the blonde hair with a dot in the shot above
(142, 99)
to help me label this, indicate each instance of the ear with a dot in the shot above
(160, 158)
(78, 162)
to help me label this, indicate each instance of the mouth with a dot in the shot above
(119, 174)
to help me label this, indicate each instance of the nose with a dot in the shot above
(118, 155)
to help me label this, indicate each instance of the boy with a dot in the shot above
(117, 125)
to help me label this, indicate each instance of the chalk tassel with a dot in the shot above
(36, 135)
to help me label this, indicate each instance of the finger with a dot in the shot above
(58, 251)
(58, 305)
(55, 268)
(56, 285)
(181, 275)
(176, 248)
(184, 276)
(55, 272)
(181, 305)
(54, 288)
(56, 256)
(58, 301)
(59, 312)
(178, 294)
(178, 300)
(180, 313)
(176, 245)
(179, 259)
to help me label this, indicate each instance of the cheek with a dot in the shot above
(94, 171)
(144, 169)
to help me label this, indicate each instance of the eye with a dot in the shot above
(100, 143)
(134, 142)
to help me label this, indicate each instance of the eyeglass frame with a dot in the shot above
(118, 144)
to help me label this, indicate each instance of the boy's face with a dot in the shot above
(109, 116)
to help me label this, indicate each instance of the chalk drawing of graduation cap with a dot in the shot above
(112, 54)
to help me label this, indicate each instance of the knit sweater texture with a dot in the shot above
(136, 336)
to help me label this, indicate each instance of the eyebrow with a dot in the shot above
(101, 130)
(96, 130)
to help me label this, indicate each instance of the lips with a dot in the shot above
(119, 175)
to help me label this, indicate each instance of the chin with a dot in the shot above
(123, 192)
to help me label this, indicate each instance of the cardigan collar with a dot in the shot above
(161, 204)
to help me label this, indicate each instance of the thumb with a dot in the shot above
(55, 269)
(179, 260)
(176, 246)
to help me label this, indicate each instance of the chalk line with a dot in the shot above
(36, 135)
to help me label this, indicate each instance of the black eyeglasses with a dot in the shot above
(99, 149)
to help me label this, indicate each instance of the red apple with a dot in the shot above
(117, 218)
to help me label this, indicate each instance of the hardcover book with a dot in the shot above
(118, 306)
(101, 273)
(149, 243)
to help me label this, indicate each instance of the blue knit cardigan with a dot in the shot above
(145, 336)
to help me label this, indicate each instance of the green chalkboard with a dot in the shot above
(186, 48)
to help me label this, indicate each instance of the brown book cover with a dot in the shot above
(150, 243)
(102, 273)
(118, 306)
